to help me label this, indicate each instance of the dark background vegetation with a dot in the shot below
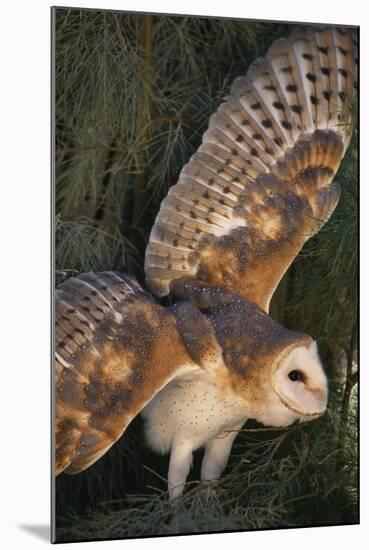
(133, 97)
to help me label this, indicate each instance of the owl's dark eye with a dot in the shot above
(295, 375)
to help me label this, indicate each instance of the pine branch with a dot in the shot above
(351, 380)
(144, 115)
(112, 20)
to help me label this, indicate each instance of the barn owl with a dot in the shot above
(259, 186)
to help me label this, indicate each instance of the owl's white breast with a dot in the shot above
(193, 409)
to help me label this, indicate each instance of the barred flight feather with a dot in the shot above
(111, 359)
(261, 182)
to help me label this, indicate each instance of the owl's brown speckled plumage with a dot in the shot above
(257, 189)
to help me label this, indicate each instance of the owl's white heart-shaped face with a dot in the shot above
(301, 384)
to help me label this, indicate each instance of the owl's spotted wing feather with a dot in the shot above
(112, 357)
(261, 182)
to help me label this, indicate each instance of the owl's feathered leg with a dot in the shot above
(216, 456)
(179, 467)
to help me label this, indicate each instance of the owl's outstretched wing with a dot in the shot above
(115, 349)
(260, 185)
